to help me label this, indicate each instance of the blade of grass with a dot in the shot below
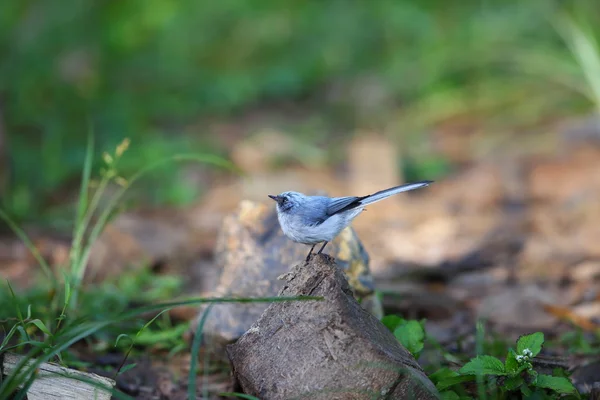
(194, 356)
(133, 341)
(79, 248)
(25, 239)
(7, 337)
(238, 395)
(22, 392)
(586, 52)
(83, 196)
(15, 303)
(86, 212)
(66, 303)
(206, 367)
(107, 212)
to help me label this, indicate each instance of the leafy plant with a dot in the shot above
(97, 49)
(515, 375)
(410, 333)
(580, 342)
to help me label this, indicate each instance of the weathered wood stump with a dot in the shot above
(252, 252)
(330, 349)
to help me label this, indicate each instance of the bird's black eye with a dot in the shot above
(284, 200)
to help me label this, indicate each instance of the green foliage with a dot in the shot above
(483, 365)
(585, 49)
(511, 365)
(392, 321)
(445, 378)
(150, 70)
(44, 351)
(410, 333)
(449, 395)
(54, 315)
(516, 375)
(578, 341)
(556, 384)
(530, 345)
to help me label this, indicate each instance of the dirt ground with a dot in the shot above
(511, 235)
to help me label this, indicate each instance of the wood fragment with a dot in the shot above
(56, 382)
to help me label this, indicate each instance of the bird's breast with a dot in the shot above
(299, 230)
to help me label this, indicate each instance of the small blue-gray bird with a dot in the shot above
(316, 219)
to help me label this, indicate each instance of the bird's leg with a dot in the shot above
(310, 252)
(322, 247)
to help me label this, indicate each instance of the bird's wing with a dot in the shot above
(339, 204)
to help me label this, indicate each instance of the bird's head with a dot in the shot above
(287, 201)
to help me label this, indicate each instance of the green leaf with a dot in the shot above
(392, 322)
(164, 335)
(7, 337)
(196, 342)
(557, 383)
(441, 374)
(412, 336)
(121, 336)
(127, 368)
(22, 393)
(445, 378)
(15, 302)
(513, 382)
(483, 365)
(29, 244)
(67, 291)
(531, 342)
(41, 326)
(453, 380)
(533, 375)
(511, 365)
(36, 343)
(23, 332)
(449, 395)
(526, 391)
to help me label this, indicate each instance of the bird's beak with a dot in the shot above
(276, 198)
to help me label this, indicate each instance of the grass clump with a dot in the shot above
(45, 322)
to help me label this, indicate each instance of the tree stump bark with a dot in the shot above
(329, 349)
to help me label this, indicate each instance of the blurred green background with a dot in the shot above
(161, 71)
